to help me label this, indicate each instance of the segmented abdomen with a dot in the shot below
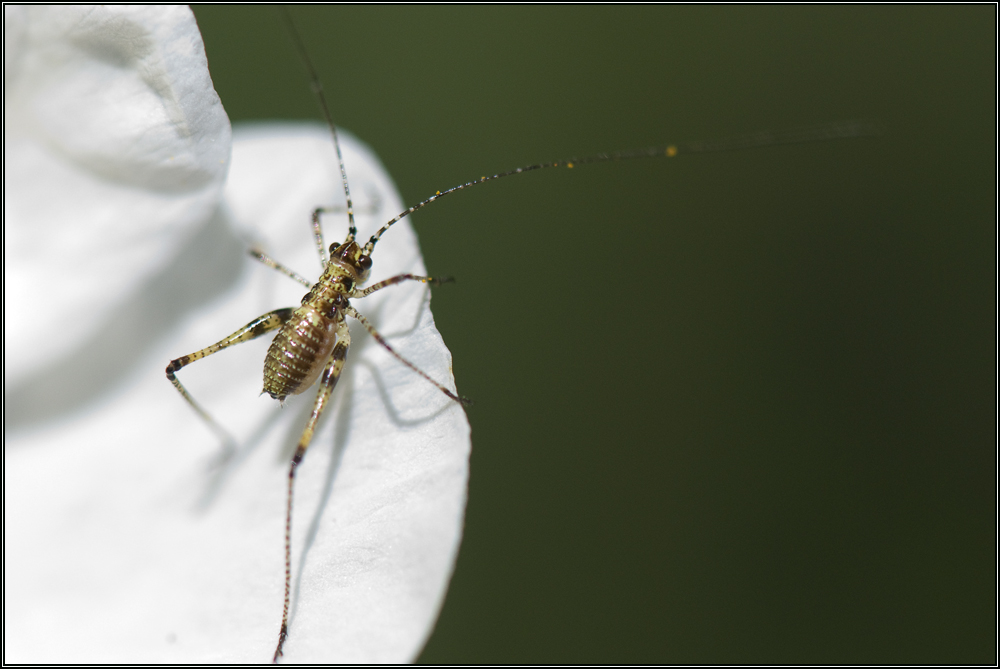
(299, 353)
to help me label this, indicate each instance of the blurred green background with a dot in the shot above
(736, 407)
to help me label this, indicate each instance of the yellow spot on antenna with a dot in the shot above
(569, 165)
(482, 178)
(438, 193)
(671, 151)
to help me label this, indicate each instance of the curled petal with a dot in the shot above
(116, 148)
(128, 536)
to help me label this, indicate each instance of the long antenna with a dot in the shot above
(317, 88)
(818, 133)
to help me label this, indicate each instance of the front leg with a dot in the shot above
(400, 278)
(262, 257)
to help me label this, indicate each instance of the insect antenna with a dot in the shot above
(317, 88)
(818, 133)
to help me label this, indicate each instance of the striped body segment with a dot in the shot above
(300, 351)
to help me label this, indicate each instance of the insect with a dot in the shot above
(312, 340)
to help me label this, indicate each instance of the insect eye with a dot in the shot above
(365, 262)
(333, 247)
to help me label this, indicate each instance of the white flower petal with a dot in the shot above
(123, 542)
(114, 140)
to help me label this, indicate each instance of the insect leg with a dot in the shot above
(373, 208)
(327, 382)
(318, 235)
(262, 257)
(399, 278)
(255, 328)
(353, 313)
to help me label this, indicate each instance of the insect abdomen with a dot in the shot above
(299, 353)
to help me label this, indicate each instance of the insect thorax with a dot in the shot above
(303, 345)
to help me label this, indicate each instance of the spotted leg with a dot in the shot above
(262, 257)
(400, 278)
(373, 208)
(327, 382)
(255, 328)
(353, 313)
